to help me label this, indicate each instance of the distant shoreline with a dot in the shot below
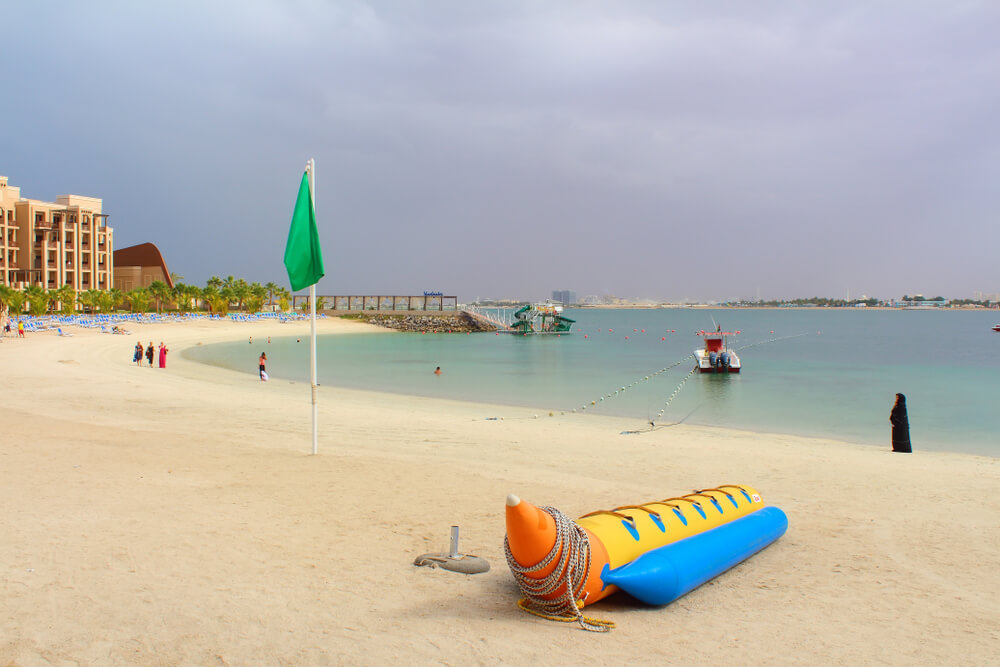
(720, 307)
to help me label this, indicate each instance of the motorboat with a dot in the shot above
(716, 356)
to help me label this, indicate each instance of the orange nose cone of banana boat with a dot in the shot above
(531, 535)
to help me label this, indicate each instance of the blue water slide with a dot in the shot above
(660, 576)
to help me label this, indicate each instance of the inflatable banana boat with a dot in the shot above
(656, 551)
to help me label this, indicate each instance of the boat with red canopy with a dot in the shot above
(717, 356)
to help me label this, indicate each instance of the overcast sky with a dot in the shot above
(670, 150)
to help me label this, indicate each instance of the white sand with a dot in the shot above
(176, 517)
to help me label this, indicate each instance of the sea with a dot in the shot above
(829, 373)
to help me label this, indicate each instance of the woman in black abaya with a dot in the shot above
(900, 426)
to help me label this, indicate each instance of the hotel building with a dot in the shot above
(51, 244)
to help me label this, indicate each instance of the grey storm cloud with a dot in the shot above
(648, 149)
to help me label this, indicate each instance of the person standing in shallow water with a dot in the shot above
(900, 426)
(262, 362)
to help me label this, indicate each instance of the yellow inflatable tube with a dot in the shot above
(616, 536)
(630, 531)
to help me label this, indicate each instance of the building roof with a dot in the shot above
(144, 254)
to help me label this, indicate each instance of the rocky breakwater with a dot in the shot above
(438, 322)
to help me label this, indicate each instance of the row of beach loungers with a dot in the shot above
(116, 322)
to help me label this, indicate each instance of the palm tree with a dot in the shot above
(5, 293)
(241, 291)
(175, 277)
(214, 281)
(186, 296)
(256, 296)
(88, 299)
(193, 293)
(16, 300)
(271, 288)
(218, 303)
(139, 299)
(284, 298)
(226, 293)
(38, 300)
(66, 297)
(160, 291)
(110, 300)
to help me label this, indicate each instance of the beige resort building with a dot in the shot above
(51, 244)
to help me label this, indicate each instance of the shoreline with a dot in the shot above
(622, 422)
(171, 516)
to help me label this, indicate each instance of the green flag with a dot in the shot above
(303, 259)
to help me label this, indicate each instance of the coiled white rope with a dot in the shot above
(572, 547)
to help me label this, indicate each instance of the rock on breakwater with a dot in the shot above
(441, 323)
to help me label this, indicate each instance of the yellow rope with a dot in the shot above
(524, 602)
(571, 553)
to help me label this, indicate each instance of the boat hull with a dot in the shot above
(704, 363)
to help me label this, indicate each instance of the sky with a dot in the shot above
(644, 149)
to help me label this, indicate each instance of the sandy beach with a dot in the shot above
(177, 517)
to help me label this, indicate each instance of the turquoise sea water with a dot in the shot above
(833, 373)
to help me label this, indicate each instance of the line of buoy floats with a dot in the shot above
(622, 389)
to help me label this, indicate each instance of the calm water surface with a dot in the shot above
(832, 373)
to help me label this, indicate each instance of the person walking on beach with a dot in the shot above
(20, 328)
(149, 355)
(137, 355)
(163, 355)
(263, 362)
(900, 426)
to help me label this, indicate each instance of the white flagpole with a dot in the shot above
(312, 326)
